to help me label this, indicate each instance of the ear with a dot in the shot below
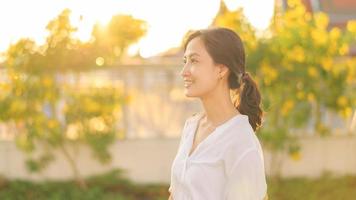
(223, 70)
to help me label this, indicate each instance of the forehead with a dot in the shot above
(195, 48)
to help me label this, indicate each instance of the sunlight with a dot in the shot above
(167, 21)
(251, 8)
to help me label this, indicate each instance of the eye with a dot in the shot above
(184, 60)
(194, 61)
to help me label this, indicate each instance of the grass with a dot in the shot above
(325, 188)
(109, 186)
(112, 186)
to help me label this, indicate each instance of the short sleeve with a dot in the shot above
(246, 180)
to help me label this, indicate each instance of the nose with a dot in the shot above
(184, 70)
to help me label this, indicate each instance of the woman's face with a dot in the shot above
(200, 73)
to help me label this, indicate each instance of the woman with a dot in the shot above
(219, 156)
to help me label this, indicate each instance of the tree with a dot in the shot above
(49, 113)
(302, 67)
(237, 21)
(111, 41)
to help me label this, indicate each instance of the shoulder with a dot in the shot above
(240, 143)
(240, 135)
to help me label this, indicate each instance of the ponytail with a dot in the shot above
(249, 101)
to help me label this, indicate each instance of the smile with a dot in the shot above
(188, 83)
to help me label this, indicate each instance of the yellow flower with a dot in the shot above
(313, 72)
(346, 112)
(18, 92)
(321, 20)
(300, 11)
(296, 155)
(270, 74)
(311, 97)
(47, 82)
(338, 68)
(342, 101)
(327, 64)
(91, 105)
(319, 36)
(4, 87)
(292, 3)
(344, 49)
(332, 48)
(351, 26)
(287, 106)
(307, 16)
(17, 106)
(335, 33)
(14, 77)
(298, 54)
(52, 123)
(351, 75)
(300, 95)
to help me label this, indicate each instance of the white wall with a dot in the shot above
(150, 160)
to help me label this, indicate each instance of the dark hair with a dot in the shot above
(226, 47)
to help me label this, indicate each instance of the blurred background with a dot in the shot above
(92, 104)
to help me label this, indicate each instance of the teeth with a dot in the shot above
(187, 84)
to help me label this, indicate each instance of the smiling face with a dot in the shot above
(200, 73)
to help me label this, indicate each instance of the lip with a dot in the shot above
(187, 84)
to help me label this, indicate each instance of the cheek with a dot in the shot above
(205, 78)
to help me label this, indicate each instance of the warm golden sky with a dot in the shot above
(168, 20)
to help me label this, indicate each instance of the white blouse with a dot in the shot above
(227, 165)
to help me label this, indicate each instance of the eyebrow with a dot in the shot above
(191, 55)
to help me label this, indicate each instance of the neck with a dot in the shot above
(218, 108)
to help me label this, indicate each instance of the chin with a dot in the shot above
(190, 93)
(187, 93)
